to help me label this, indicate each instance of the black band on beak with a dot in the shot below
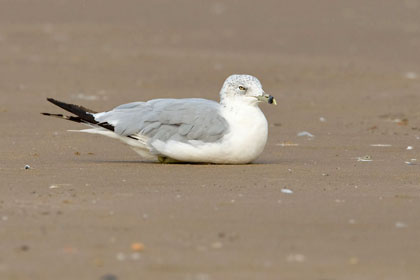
(270, 99)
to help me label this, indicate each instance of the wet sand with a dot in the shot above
(346, 72)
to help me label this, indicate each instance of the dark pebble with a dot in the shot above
(109, 277)
(24, 247)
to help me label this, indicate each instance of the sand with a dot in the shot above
(346, 72)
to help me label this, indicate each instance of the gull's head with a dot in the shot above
(245, 89)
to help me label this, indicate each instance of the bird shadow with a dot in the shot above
(140, 162)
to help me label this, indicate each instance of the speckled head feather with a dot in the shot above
(242, 87)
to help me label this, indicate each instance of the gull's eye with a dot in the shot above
(242, 88)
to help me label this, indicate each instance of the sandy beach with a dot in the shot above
(334, 196)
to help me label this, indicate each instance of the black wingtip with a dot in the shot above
(52, 100)
(83, 114)
(75, 109)
(60, 104)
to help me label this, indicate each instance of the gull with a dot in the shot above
(233, 131)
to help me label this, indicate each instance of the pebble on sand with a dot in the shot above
(306, 133)
(288, 191)
(365, 158)
(411, 162)
(380, 145)
(217, 245)
(410, 75)
(296, 258)
(137, 247)
(121, 256)
(353, 260)
(24, 248)
(287, 144)
(400, 225)
(109, 277)
(352, 221)
(27, 167)
(135, 256)
(69, 250)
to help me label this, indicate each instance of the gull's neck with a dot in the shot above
(235, 102)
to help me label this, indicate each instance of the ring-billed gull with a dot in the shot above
(233, 131)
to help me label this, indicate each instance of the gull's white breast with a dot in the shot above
(248, 131)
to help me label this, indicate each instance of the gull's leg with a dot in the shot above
(167, 160)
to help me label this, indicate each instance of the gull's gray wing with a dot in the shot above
(168, 119)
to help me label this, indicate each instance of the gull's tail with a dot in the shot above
(83, 115)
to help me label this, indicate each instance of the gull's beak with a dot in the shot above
(267, 98)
